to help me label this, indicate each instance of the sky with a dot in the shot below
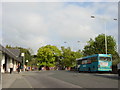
(36, 24)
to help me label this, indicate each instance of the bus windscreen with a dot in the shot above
(105, 58)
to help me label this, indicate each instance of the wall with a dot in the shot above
(8, 62)
(2, 62)
(15, 66)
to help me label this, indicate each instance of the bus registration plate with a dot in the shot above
(103, 63)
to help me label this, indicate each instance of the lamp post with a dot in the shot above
(79, 43)
(68, 45)
(23, 55)
(26, 65)
(65, 42)
(105, 31)
(26, 61)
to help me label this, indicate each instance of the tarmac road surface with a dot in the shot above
(60, 79)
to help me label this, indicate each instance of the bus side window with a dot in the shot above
(79, 62)
(94, 59)
(89, 60)
(83, 62)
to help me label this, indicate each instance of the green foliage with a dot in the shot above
(22, 50)
(51, 56)
(116, 61)
(89, 49)
(27, 53)
(69, 57)
(46, 55)
(33, 61)
(97, 46)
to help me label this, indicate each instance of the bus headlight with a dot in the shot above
(98, 66)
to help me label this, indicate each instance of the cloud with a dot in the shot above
(60, 1)
(73, 22)
(35, 24)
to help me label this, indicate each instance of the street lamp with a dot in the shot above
(26, 65)
(68, 45)
(83, 43)
(26, 61)
(105, 32)
(78, 41)
(23, 55)
(65, 43)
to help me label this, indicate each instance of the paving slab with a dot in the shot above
(14, 80)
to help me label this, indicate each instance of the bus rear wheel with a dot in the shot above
(89, 70)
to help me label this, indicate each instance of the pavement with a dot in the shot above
(33, 80)
(13, 80)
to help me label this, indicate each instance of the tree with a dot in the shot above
(97, 46)
(68, 58)
(27, 53)
(46, 55)
(33, 63)
(31, 51)
(22, 50)
(89, 49)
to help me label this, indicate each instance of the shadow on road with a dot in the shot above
(108, 76)
(104, 75)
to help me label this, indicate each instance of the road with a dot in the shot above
(65, 79)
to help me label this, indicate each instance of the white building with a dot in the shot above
(7, 56)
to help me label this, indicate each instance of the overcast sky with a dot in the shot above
(34, 24)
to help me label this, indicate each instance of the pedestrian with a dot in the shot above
(18, 68)
(11, 67)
